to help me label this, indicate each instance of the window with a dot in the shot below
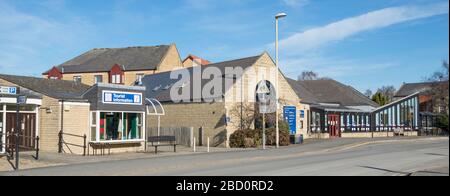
(53, 78)
(98, 79)
(120, 126)
(139, 78)
(301, 124)
(116, 79)
(77, 79)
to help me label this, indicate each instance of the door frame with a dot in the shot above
(335, 127)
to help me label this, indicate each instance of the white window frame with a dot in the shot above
(143, 127)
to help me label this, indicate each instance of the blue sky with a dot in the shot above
(365, 44)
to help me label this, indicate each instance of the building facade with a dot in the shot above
(338, 110)
(123, 66)
(62, 113)
(219, 115)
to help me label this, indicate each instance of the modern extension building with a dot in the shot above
(124, 66)
(433, 101)
(337, 110)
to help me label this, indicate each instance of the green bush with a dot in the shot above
(271, 135)
(248, 138)
(443, 123)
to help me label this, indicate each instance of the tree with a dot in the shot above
(368, 93)
(244, 114)
(441, 75)
(380, 98)
(440, 89)
(308, 75)
(388, 92)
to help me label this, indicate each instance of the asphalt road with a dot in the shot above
(354, 158)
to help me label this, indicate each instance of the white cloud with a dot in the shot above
(317, 37)
(334, 67)
(296, 3)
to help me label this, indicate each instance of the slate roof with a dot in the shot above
(102, 60)
(163, 83)
(304, 94)
(59, 89)
(411, 88)
(331, 92)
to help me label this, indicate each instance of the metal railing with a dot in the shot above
(62, 142)
(10, 147)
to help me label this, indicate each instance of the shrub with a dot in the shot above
(443, 123)
(271, 135)
(248, 138)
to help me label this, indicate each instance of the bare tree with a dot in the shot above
(368, 93)
(388, 92)
(245, 114)
(440, 89)
(308, 75)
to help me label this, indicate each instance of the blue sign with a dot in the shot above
(302, 113)
(290, 115)
(8, 90)
(114, 97)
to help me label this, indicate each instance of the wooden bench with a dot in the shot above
(156, 141)
(102, 146)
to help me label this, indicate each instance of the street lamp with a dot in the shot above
(277, 17)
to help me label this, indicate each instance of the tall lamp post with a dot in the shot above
(277, 17)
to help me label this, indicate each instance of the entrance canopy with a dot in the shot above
(154, 107)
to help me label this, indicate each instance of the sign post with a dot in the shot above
(262, 92)
(20, 100)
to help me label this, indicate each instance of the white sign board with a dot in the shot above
(126, 98)
(8, 90)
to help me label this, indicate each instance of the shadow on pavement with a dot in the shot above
(387, 170)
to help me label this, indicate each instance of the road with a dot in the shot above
(380, 158)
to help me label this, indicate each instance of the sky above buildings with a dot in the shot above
(366, 44)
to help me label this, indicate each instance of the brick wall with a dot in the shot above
(49, 124)
(211, 116)
(171, 61)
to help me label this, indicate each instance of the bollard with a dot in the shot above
(194, 144)
(208, 145)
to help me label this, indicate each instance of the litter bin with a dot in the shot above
(297, 139)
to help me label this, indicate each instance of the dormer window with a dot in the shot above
(116, 79)
(116, 75)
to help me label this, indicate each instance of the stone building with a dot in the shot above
(124, 66)
(216, 113)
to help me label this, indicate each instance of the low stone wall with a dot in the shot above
(317, 136)
(376, 134)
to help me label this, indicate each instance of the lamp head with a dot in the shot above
(280, 15)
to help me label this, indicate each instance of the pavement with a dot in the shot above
(412, 156)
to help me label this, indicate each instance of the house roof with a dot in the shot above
(411, 88)
(59, 89)
(329, 91)
(102, 60)
(197, 59)
(303, 93)
(159, 85)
